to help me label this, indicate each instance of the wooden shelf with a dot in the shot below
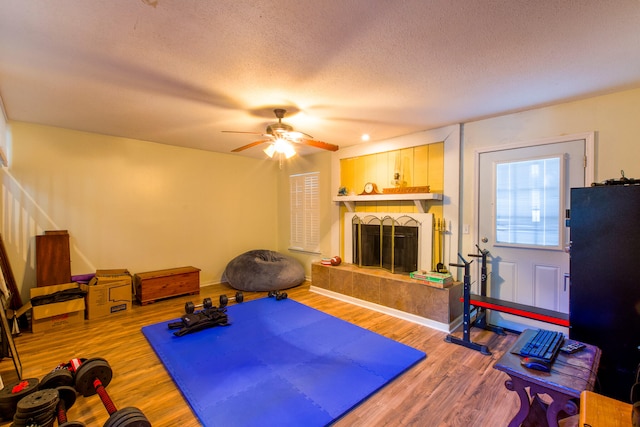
(420, 199)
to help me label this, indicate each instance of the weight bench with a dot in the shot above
(482, 303)
(541, 314)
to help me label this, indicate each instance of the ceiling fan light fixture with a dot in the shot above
(270, 150)
(282, 138)
(289, 152)
(280, 146)
(283, 146)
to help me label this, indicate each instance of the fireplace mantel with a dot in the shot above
(420, 199)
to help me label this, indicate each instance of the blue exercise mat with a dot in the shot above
(280, 363)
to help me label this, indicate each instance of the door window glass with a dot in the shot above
(527, 208)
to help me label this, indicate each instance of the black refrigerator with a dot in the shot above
(604, 301)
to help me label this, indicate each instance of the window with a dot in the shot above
(528, 195)
(305, 212)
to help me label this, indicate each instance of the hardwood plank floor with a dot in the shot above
(453, 386)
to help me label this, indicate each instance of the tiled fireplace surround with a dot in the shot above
(378, 289)
(439, 308)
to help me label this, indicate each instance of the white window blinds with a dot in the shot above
(305, 212)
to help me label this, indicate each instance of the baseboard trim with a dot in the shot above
(439, 326)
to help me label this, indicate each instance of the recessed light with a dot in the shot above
(365, 137)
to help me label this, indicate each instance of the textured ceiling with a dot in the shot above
(180, 71)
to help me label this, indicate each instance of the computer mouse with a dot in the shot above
(536, 363)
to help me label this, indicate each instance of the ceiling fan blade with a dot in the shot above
(295, 135)
(253, 144)
(318, 144)
(239, 131)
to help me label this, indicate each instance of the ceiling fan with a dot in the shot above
(281, 136)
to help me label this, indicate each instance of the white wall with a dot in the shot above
(133, 204)
(615, 119)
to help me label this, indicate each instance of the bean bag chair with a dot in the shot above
(262, 271)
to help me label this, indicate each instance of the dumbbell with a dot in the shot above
(278, 295)
(13, 393)
(92, 377)
(224, 300)
(190, 307)
(37, 409)
(67, 399)
(59, 376)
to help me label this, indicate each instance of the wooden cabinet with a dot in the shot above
(53, 258)
(604, 294)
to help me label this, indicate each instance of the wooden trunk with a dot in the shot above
(154, 285)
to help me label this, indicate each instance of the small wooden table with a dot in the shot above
(570, 375)
(603, 411)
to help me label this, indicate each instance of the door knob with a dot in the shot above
(485, 240)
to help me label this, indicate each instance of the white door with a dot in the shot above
(523, 196)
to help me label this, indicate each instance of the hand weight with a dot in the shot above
(190, 307)
(224, 300)
(278, 295)
(92, 377)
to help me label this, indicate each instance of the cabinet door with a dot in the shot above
(53, 258)
(605, 296)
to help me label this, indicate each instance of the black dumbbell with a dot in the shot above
(38, 408)
(61, 375)
(67, 399)
(190, 307)
(92, 376)
(278, 295)
(12, 393)
(224, 300)
(61, 378)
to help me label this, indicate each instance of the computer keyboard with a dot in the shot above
(544, 345)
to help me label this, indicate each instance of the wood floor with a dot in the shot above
(453, 386)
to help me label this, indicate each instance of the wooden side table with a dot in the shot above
(570, 375)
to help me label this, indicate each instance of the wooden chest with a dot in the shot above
(154, 285)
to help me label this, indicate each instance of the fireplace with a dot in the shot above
(396, 242)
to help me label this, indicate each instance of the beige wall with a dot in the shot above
(321, 163)
(3, 129)
(146, 206)
(615, 119)
(133, 204)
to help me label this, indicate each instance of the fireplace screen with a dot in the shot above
(388, 243)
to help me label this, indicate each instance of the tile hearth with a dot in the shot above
(399, 292)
